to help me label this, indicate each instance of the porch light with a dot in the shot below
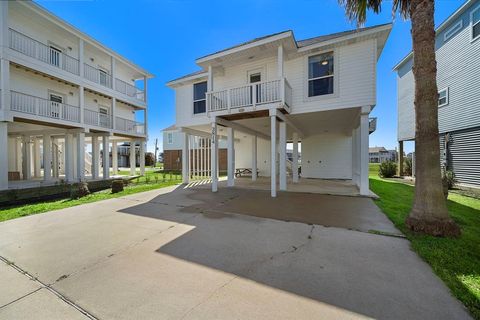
(324, 63)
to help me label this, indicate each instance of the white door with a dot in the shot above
(56, 103)
(255, 76)
(104, 117)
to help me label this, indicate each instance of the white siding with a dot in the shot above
(243, 154)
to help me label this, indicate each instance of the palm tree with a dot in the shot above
(429, 213)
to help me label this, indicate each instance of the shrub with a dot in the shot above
(449, 178)
(79, 190)
(387, 169)
(407, 167)
(117, 186)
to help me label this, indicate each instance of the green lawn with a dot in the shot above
(455, 261)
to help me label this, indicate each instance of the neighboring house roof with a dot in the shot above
(193, 75)
(439, 29)
(377, 149)
(170, 128)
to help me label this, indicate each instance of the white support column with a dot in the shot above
(106, 157)
(354, 156)
(4, 155)
(273, 159)
(55, 172)
(283, 155)
(214, 157)
(364, 132)
(295, 158)
(254, 158)
(230, 157)
(26, 159)
(80, 156)
(114, 157)
(210, 79)
(36, 158)
(81, 100)
(95, 157)
(185, 159)
(114, 112)
(4, 85)
(142, 157)
(113, 68)
(47, 157)
(191, 157)
(280, 62)
(81, 57)
(133, 164)
(69, 157)
(145, 112)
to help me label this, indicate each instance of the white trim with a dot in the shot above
(453, 30)
(336, 89)
(477, 8)
(447, 96)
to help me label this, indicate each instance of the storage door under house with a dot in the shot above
(462, 155)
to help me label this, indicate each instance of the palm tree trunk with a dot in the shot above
(429, 213)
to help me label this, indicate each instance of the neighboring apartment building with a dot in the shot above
(318, 92)
(458, 65)
(62, 93)
(380, 154)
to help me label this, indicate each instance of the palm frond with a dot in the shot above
(356, 10)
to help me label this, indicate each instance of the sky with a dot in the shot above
(166, 36)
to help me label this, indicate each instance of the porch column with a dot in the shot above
(47, 157)
(26, 159)
(295, 158)
(230, 157)
(95, 157)
(214, 157)
(273, 160)
(364, 132)
(254, 158)
(81, 156)
(191, 153)
(81, 103)
(106, 157)
(400, 158)
(280, 62)
(354, 156)
(36, 158)
(69, 157)
(185, 159)
(114, 157)
(142, 157)
(55, 172)
(4, 82)
(282, 128)
(4, 155)
(133, 162)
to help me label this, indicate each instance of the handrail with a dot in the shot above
(95, 118)
(129, 89)
(130, 126)
(97, 75)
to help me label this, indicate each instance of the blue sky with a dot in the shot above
(165, 37)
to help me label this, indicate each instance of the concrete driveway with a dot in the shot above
(185, 254)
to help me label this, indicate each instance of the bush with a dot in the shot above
(449, 178)
(117, 186)
(387, 169)
(407, 167)
(149, 159)
(79, 190)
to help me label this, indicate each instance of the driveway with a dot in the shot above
(187, 254)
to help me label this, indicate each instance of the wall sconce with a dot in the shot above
(95, 100)
(91, 59)
(69, 48)
(70, 93)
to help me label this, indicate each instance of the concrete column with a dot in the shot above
(4, 155)
(114, 157)
(214, 158)
(133, 164)
(95, 157)
(4, 24)
(280, 62)
(81, 56)
(69, 157)
(254, 158)
(295, 158)
(192, 155)
(47, 157)
(81, 103)
(114, 113)
(230, 157)
(145, 112)
(26, 159)
(185, 159)
(364, 132)
(4, 85)
(210, 79)
(273, 159)
(55, 172)
(18, 155)
(400, 159)
(80, 156)
(106, 157)
(36, 158)
(113, 69)
(142, 157)
(283, 155)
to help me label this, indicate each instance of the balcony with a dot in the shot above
(27, 104)
(130, 90)
(97, 119)
(129, 126)
(250, 96)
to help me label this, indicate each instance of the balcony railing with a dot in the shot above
(39, 51)
(250, 95)
(129, 126)
(130, 90)
(24, 103)
(97, 75)
(95, 118)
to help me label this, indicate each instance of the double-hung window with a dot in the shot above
(169, 137)
(475, 17)
(199, 98)
(443, 97)
(320, 74)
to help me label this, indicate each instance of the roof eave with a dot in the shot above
(175, 82)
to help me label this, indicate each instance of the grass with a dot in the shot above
(455, 261)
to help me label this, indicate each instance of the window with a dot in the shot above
(55, 105)
(199, 100)
(443, 97)
(103, 117)
(453, 30)
(256, 77)
(103, 77)
(475, 17)
(320, 74)
(169, 137)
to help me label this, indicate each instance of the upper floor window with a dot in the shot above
(169, 137)
(475, 17)
(199, 99)
(320, 74)
(453, 30)
(443, 97)
(103, 77)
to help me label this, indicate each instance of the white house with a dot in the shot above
(318, 92)
(63, 95)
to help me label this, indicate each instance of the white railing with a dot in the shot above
(97, 75)
(39, 51)
(130, 90)
(129, 126)
(95, 118)
(24, 103)
(250, 95)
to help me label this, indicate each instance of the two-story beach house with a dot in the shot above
(63, 95)
(274, 90)
(458, 63)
